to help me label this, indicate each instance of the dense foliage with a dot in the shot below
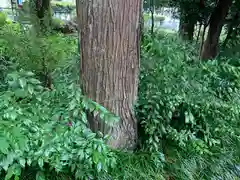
(2, 19)
(188, 110)
(189, 105)
(46, 130)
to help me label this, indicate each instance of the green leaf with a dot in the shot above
(22, 142)
(189, 118)
(29, 73)
(34, 81)
(22, 82)
(4, 145)
(17, 132)
(13, 76)
(95, 157)
(9, 173)
(40, 176)
(39, 98)
(79, 174)
(84, 117)
(73, 167)
(7, 161)
(186, 117)
(99, 167)
(13, 115)
(81, 154)
(22, 162)
(13, 170)
(20, 93)
(17, 169)
(29, 161)
(89, 105)
(30, 89)
(40, 162)
(99, 148)
(102, 116)
(75, 113)
(91, 136)
(72, 105)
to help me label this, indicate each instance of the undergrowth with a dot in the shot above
(136, 165)
(189, 106)
(47, 130)
(188, 113)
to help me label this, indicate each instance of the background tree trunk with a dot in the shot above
(198, 33)
(41, 9)
(210, 47)
(186, 30)
(110, 33)
(234, 23)
(152, 16)
(188, 20)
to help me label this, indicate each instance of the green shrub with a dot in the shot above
(188, 110)
(40, 54)
(159, 18)
(47, 130)
(63, 6)
(57, 23)
(137, 165)
(3, 19)
(187, 105)
(146, 16)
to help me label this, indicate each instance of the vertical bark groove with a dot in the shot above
(109, 67)
(210, 47)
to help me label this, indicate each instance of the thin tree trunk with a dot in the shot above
(186, 30)
(210, 47)
(187, 23)
(203, 38)
(41, 10)
(42, 7)
(110, 33)
(229, 35)
(199, 31)
(152, 16)
(230, 29)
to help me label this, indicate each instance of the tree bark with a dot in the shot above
(210, 47)
(199, 31)
(186, 30)
(41, 10)
(42, 7)
(203, 38)
(152, 16)
(188, 19)
(141, 21)
(110, 32)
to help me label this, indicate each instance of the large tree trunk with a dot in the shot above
(141, 22)
(210, 47)
(110, 33)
